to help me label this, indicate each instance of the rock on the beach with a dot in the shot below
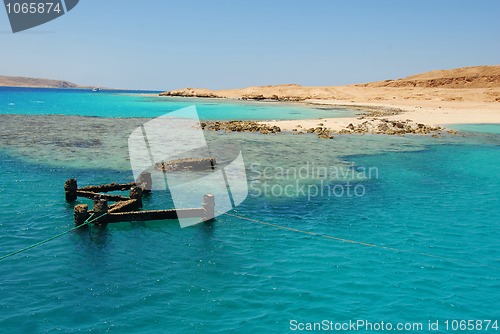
(372, 126)
(384, 126)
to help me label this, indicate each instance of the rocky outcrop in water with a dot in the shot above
(378, 126)
(274, 97)
(239, 126)
(373, 126)
(205, 93)
(250, 126)
(190, 92)
(322, 132)
(192, 164)
(384, 126)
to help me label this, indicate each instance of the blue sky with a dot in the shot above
(164, 44)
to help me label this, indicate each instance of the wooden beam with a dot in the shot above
(145, 182)
(101, 210)
(81, 213)
(154, 215)
(209, 207)
(125, 206)
(104, 188)
(70, 187)
(91, 195)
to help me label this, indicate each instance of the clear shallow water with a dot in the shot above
(436, 196)
(25, 101)
(477, 128)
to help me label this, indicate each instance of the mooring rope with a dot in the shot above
(361, 243)
(86, 222)
(291, 229)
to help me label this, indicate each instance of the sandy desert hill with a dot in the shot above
(474, 84)
(464, 77)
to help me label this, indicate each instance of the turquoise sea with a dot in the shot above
(362, 227)
(130, 104)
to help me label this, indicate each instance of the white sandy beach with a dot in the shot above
(436, 113)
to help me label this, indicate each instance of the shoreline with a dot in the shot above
(466, 95)
(430, 113)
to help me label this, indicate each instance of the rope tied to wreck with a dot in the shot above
(360, 243)
(86, 223)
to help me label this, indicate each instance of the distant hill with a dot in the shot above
(463, 77)
(474, 83)
(35, 82)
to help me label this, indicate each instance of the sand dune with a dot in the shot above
(465, 77)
